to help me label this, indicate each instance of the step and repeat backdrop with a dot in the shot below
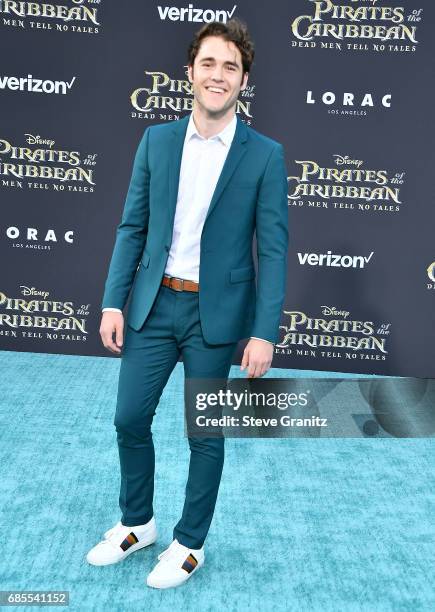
(346, 86)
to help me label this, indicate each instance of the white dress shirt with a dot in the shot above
(201, 164)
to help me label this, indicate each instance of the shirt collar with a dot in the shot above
(226, 135)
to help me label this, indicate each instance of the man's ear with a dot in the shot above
(190, 73)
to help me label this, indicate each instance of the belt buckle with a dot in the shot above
(179, 279)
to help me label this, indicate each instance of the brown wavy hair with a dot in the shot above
(234, 30)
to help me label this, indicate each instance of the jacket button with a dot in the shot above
(167, 248)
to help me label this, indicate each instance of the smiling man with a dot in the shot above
(200, 187)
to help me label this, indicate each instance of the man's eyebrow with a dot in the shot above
(212, 59)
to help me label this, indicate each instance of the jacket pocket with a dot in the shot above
(242, 274)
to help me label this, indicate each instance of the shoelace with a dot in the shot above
(176, 553)
(114, 529)
(112, 536)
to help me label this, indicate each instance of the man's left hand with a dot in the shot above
(257, 357)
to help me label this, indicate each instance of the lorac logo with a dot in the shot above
(36, 239)
(349, 100)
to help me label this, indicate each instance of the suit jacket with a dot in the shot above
(250, 195)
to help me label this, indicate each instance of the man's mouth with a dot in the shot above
(216, 90)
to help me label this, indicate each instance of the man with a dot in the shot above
(200, 186)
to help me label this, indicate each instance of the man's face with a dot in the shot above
(216, 76)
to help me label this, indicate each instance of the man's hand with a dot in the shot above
(112, 322)
(257, 356)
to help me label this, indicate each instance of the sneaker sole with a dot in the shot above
(132, 549)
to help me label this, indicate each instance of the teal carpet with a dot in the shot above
(300, 524)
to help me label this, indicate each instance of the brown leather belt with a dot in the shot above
(180, 284)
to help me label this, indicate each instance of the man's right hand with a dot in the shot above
(112, 322)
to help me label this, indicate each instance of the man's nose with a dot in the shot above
(217, 74)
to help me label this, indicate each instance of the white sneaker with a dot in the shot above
(176, 564)
(120, 541)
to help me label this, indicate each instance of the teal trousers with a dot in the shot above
(173, 328)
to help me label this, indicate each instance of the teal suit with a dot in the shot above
(204, 327)
(251, 193)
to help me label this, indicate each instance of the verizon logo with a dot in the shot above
(334, 261)
(194, 14)
(29, 83)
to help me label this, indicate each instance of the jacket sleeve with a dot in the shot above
(131, 233)
(272, 245)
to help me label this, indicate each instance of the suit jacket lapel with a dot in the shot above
(235, 154)
(175, 153)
